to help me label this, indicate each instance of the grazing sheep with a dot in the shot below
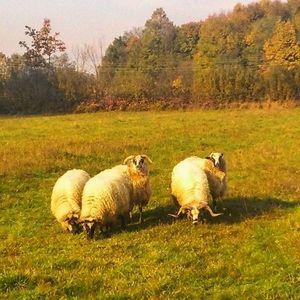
(112, 194)
(139, 174)
(106, 197)
(66, 198)
(215, 169)
(190, 189)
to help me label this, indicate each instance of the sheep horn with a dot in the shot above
(179, 212)
(148, 158)
(127, 159)
(174, 216)
(211, 212)
(182, 208)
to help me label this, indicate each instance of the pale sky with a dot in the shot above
(90, 21)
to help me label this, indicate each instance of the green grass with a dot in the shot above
(251, 252)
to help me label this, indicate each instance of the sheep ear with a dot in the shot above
(127, 159)
(76, 216)
(183, 209)
(211, 159)
(148, 158)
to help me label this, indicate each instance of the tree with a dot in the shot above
(155, 55)
(294, 8)
(282, 48)
(187, 39)
(43, 45)
(282, 63)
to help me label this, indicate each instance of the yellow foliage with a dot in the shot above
(177, 84)
(282, 48)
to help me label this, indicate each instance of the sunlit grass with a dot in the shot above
(252, 251)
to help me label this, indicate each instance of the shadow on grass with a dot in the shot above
(153, 217)
(235, 210)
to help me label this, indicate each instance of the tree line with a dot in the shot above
(251, 53)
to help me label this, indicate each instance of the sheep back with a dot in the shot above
(107, 196)
(189, 183)
(66, 195)
(216, 177)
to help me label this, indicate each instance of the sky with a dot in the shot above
(94, 22)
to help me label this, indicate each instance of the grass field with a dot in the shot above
(251, 252)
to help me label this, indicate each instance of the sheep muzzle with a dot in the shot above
(89, 228)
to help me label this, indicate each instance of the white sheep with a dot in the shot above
(139, 174)
(214, 166)
(66, 198)
(190, 188)
(112, 193)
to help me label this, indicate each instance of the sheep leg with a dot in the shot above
(107, 232)
(214, 202)
(130, 217)
(123, 222)
(175, 201)
(203, 216)
(141, 214)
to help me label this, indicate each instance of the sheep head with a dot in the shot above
(191, 211)
(138, 163)
(89, 228)
(71, 224)
(218, 160)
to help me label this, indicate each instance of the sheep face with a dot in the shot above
(71, 225)
(138, 163)
(216, 157)
(192, 213)
(89, 228)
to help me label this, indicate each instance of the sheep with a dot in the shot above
(217, 188)
(112, 194)
(66, 198)
(214, 166)
(190, 188)
(139, 174)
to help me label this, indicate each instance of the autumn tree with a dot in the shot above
(220, 65)
(294, 10)
(187, 38)
(43, 45)
(282, 48)
(138, 64)
(156, 57)
(282, 62)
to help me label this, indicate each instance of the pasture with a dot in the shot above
(250, 252)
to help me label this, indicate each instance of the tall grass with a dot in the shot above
(250, 252)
